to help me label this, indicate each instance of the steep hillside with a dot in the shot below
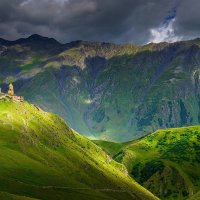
(7, 196)
(95, 86)
(111, 148)
(167, 162)
(42, 158)
(195, 196)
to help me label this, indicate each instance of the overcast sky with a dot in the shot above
(119, 21)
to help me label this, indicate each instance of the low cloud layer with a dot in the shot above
(119, 21)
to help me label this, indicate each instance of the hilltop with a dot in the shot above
(167, 162)
(95, 86)
(42, 158)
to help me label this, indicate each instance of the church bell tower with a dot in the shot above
(11, 90)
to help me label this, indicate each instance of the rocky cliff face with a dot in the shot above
(108, 91)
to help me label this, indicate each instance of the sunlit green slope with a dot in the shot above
(111, 148)
(7, 196)
(167, 162)
(195, 196)
(42, 158)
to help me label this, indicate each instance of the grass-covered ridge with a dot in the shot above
(195, 196)
(7, 196)
(167, 162)
(42, 158)
(110, 148)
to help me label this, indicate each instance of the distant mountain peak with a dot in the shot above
(35, 36)
(38, 38)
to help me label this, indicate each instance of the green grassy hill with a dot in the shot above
(195, 196)
(42, 158)
(167, 162)
(7, 196)
(111, 148)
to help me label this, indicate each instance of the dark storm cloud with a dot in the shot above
(188, 19)
(98, 20)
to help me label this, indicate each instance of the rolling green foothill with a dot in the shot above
(166, 162)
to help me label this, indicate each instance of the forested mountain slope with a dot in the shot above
(107, 91)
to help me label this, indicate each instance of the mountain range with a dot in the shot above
(107, 91)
